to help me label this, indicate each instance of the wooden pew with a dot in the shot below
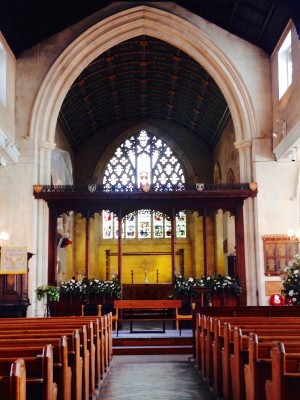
(75, 347)
(259, 368)
(74, 358)
(285, 382)
(221, 378)
(43, 330)
(213, 349)
(216, 345)
(240, 354)
(13, 384)
(62, 371)
(98, 345)
(39, 375)
(96, 373)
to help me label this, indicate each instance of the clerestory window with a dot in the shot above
(141, 161)
(285, 66)
(3, 76)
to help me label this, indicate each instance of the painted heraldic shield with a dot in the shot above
(92, 188)
(200, 187)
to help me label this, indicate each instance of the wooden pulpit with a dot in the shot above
(14, 293)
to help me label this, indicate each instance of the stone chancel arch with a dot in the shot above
(133, 22)
(127, 24)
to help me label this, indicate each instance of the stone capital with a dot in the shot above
(43, 144)
(243, 144)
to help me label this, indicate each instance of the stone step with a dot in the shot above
(134, 346)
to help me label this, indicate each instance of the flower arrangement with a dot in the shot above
(110, 288)
(73, 287)
(213, 283)
(291, 281)
(84, 289)
(182, 286)
(226, 284)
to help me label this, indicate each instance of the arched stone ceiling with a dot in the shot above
(139, 79)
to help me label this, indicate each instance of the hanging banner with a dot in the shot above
(13, 260)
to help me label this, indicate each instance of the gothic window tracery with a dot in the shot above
(141, 160)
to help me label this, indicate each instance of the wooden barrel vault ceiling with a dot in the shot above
(144, 77)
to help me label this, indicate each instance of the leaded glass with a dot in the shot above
(143, 159)
(181, 225)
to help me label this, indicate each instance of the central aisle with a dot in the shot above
(159, 377)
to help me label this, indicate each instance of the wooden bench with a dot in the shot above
(240, 354)
(78, 353)
(259, 366)
(99, 339)
(74, 358)
(39, 374)
(214, 346)
(235, 353)
(285, 382)
(61, 369)
(13, 383)
(159, 309)
(46, 327)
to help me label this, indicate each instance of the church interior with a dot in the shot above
(149, 147)
(135, 105)
(139, 107)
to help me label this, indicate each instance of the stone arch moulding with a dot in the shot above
(123, 26)
(183, 158)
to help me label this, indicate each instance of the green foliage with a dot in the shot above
(46, 292)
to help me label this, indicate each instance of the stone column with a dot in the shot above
(244, 148)
(87, 244)
(120, 267)
(204, 222)
(173, 241)
(42, 233)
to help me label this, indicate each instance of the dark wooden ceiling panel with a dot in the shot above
(145, 77)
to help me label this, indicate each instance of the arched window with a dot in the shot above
(139, 161)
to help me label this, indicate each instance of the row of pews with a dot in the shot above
(249, 357)
(55, 358)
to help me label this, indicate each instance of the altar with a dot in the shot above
(147, 291)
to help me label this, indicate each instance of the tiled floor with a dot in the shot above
(161, 377)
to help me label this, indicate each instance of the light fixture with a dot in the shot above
(4, 237)
(280, 128)
(294, 235)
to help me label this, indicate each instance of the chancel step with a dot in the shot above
(135, 346)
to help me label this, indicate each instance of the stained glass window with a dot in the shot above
(140, 161)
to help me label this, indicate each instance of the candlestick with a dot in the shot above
(157, 276)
